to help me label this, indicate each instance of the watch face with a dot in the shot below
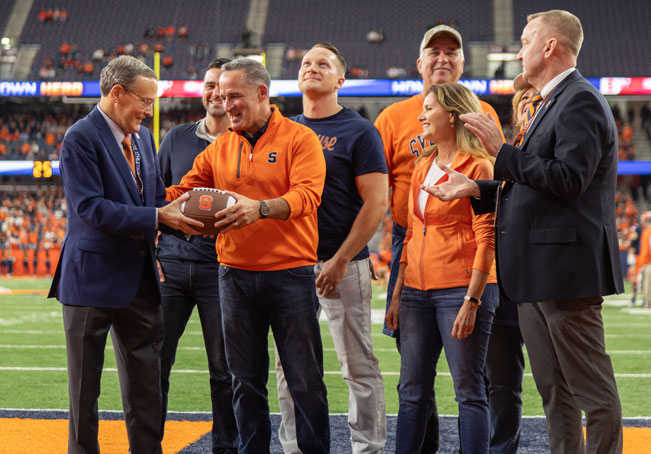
(264, 209)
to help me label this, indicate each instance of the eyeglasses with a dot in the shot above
(146, 102)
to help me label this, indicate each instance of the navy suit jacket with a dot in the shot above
(555, 230)
(110, 231)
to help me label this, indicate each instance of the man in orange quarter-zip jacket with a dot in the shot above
(275, 169)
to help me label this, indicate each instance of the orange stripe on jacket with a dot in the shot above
(456, 241)
(402, 136)
(287, 162)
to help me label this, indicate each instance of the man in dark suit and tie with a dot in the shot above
(556, 250)
(106, 278)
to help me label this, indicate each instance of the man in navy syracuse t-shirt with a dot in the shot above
(353, 204)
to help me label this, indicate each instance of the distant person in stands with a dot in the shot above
(440, 61)
(642, 279)
(106, 278)
(189, 267)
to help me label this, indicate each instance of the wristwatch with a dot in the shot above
(264, 209)
(472, 299)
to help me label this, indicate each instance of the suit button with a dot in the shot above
(502, 232)
(141, 252)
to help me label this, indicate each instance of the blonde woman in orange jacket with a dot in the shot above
(446, 293)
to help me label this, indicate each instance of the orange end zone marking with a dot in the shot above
(24, 291)
(637, 440)
(51, 435)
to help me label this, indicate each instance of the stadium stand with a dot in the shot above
(188, 35)
(403, 27)
(5, 5)
(33, 132)
(32, 227)
(616, 34)
(87, 28)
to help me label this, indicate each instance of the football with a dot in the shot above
(203, 204)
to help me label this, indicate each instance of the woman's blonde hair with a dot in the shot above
(458, 100)
(517, 97)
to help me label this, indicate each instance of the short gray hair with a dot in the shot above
(254, 72)
(123, 71)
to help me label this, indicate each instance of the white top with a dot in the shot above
(433, 175)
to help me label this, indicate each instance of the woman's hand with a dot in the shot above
(465, 321)
(392, 313)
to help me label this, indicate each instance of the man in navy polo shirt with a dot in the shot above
(352, 206)
(189, 268)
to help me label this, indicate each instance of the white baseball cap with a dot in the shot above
(440, 30)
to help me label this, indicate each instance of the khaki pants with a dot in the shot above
(646, 284)
(349, 320)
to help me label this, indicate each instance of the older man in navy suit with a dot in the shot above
(106, 278)
(557, 251)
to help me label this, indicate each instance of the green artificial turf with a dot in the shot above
(33, 361)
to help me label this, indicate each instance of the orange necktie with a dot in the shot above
(128, 153)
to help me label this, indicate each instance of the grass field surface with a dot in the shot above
(33, 359)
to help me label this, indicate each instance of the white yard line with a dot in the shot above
(197, 371)
(327, 349)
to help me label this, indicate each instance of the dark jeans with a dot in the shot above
(504, 370)
(398, 233)
(426, 321)
(431, 442)
(189, 284)
(286, 301)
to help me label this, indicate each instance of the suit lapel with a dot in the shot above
(548, 104)
(115, 153)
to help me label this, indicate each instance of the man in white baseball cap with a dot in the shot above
(440, 61)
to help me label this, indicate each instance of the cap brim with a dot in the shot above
(519, 83)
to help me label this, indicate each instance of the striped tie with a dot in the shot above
(528, 115)
(128, 152)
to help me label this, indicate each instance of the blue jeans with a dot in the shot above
(286, 300)
(504, 370)
(431, 442)
(398, 233)
(426, 321)
(188, 284)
